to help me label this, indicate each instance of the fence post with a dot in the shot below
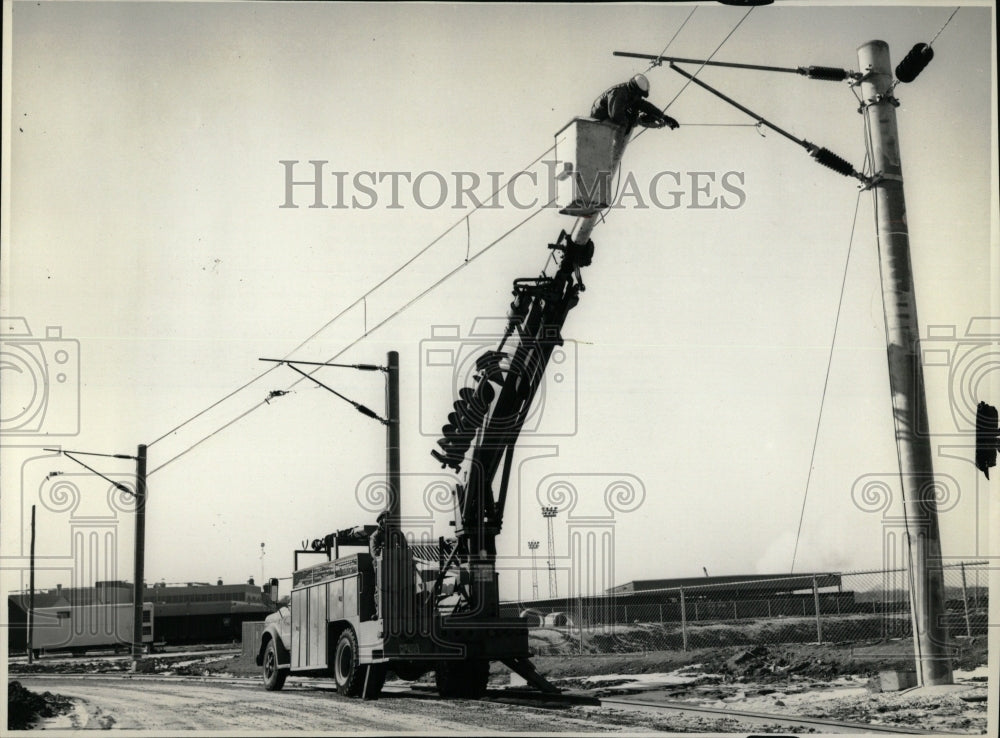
(580, 614)
(965, 603)
(819, 622)
(735, 616)
(625, 608)
(684, 629)
(769, 608)
(661, 613)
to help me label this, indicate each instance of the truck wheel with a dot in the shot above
(347, 671)
(465, 679)
(274, 678)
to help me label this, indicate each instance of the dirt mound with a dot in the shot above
(640, 637)
(762, 663)
(25, 707)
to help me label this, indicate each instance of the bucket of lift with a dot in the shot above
(587, 154)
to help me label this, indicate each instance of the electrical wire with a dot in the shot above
(931, 42)
(407, 305)
(676, 34)
(363, 299)
(698, 71)
(360, 301)
(652, 64)
(826, 380)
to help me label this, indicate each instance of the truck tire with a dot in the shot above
(274, 678)
(464, 679)
(347, 671)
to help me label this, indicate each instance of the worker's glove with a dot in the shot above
(652, 121)
(658, 121)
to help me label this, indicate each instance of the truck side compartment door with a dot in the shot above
(317, 653)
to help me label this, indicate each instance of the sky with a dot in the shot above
(147, 219)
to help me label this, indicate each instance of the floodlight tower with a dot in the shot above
(549, 514)
(533, 545)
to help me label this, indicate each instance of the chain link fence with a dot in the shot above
(802, 608)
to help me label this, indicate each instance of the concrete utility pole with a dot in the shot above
(140, 549)
(905, 371)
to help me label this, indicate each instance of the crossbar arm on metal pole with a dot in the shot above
(822, 155)
(357, 405)
(832, 74)
(360, 367)
(759, 118)
(92, 470)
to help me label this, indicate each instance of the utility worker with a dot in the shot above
(626, 105)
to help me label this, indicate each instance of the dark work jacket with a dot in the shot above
(622, 106)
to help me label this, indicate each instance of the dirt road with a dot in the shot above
(160, 705)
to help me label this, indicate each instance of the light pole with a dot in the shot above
(140, 527)
(533, 546)
(549, 514)
(262, 563)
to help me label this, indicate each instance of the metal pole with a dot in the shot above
(684, 621)
(533, 546)
(819, 622)
(549, 514)
(905, 371)
(392, 442)
(965, 603)
(31, 590)
(140, 545)
(391, 607)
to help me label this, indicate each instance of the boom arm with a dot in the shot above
(488, 417)
(487, 420)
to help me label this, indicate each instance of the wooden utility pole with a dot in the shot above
(905, 371)
(140, 546)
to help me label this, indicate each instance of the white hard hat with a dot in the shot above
(640, 83)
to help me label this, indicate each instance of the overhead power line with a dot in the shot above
(362, 301)
(407, 305)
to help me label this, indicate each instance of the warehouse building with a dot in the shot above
(194, 612)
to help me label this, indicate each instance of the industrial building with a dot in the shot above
(194, 612)
(706, 598)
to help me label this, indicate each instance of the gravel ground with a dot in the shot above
(828, 681)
